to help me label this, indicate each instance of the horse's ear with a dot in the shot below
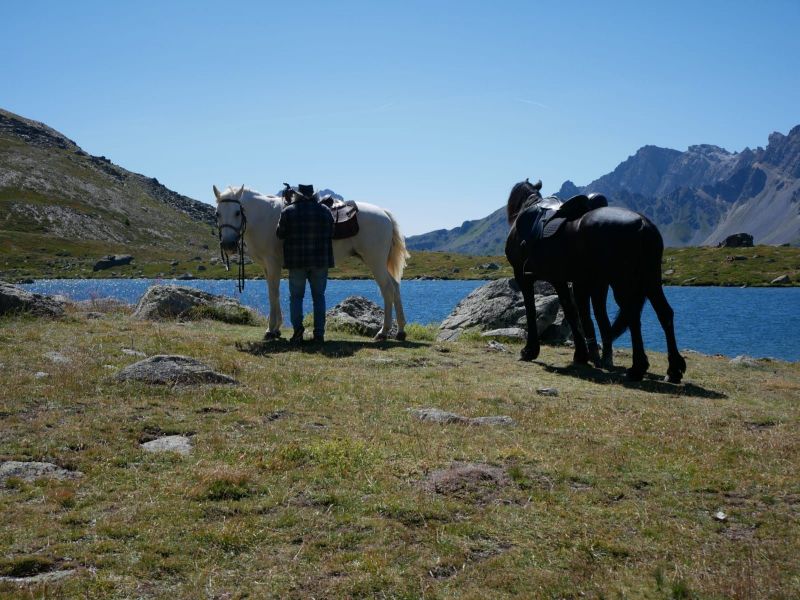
(538, 185)
(216, 193)
(240, 193)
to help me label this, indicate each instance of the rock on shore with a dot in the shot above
(176, 302)
(14, 299)
(499, 305)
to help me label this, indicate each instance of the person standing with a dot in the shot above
(306, 228)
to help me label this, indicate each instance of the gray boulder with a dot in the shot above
(356, 314)
(172, 369)
(499, 305)
(112, 260)
(737, 240)
(782, 280)
(14, 299)
(181, 302)
(33, 470)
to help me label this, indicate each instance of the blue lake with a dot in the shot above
(760, 322)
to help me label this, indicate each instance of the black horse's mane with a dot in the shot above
(518, 196)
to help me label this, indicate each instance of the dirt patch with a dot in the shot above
(476, 482)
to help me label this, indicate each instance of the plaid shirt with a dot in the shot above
(306, 228)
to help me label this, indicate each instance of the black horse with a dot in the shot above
(593, 249)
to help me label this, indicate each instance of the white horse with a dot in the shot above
(378, 243)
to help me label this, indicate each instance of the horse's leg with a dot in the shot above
(631, 302)
(677, 364)
(525, 282)
(385, 283)
(581, 355)
(398, 308)
(273, 276)
(581, 293)
(599, 300)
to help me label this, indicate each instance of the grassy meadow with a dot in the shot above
(31, 255)
(308, 479)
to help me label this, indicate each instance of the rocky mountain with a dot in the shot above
(51, 190)
(696, 197)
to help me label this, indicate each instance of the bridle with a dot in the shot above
(239, 244)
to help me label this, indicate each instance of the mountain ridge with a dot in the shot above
(695, 197)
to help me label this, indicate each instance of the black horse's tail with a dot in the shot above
(646, 273)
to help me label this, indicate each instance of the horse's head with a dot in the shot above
(230, 217)
(519, 196)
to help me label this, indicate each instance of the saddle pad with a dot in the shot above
(345, 219)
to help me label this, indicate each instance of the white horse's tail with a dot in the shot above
(398, 254)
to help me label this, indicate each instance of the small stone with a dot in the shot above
(547, 391)
(783, 279)
(132, 352)
(436, 415)
(744, 361)
(506, 332)
(720, 516)
(170, 443)
(57, 358)
(669, 272)
(40, 578)
(494, 346)
(41, 375)
(33, 470)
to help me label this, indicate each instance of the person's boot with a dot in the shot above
(319, 338)
(297, 336)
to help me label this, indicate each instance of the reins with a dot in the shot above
(239, 245)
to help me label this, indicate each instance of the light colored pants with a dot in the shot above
(318, 280)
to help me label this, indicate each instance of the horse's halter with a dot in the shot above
(239, 242)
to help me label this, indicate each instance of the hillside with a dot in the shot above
(696, 197)
(58, 201)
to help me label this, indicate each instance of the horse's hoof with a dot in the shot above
(381, 337)
(673, 377)
(272, 335)
(401, 336)
(580, 359)
(634, 374)
(528, 355)
(607, 363)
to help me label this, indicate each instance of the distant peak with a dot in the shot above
(707, 149)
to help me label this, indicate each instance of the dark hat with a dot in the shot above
(306, 190)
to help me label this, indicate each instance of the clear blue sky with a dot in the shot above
(430, 109)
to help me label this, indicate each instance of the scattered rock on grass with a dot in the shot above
(170, 443)
(547, 391)
(172, 369)
(57, 358)
(33, 470)
(41, 578)
(744, 361)
(783, 279)
(436, 415)
(495, 346)
(479, 482)
(517, 333)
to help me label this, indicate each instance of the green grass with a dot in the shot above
(26, 255)
(306, 479)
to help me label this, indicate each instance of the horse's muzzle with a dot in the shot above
(229, 243)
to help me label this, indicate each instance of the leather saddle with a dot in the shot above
(545, 218)
(345, 216)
